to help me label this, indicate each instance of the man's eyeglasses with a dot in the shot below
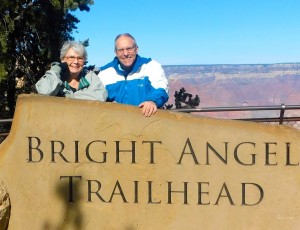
(72, 58)
(128, 49)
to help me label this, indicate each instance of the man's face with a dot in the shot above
(126, 52)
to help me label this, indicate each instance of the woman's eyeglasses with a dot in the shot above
(72, 58)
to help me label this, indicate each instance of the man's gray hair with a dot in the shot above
(126, 35)
(78, 47)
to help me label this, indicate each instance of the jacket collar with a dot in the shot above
(83, 82)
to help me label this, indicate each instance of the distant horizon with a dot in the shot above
(283, 63)
(195, 32)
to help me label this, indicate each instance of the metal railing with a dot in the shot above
(276, 114)
(282, 117)
(281, 108)
(5, 125)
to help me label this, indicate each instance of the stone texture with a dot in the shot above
(4, 206)
(187, 172)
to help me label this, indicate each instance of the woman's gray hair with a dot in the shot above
(78, 47)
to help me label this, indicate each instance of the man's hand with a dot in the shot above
(148, 108)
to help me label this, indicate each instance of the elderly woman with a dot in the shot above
(69, 78)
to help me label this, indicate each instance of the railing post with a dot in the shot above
(281, 117)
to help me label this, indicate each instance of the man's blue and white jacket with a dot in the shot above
(145, 82)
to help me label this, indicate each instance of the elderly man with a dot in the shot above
(135, 80)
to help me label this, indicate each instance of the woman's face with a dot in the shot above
(74, 61)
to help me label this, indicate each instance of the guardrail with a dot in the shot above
(281, 108)
(282, 117)
(5, 125)
(277, 114)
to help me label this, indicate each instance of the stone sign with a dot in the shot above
(76, 164)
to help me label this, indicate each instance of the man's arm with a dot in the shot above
(159, 92)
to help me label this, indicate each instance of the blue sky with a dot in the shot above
(176, 32)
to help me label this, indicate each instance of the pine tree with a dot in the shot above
(184, 100)
(31, 35)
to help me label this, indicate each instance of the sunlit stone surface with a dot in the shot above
(74, 164)
(4, 206)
